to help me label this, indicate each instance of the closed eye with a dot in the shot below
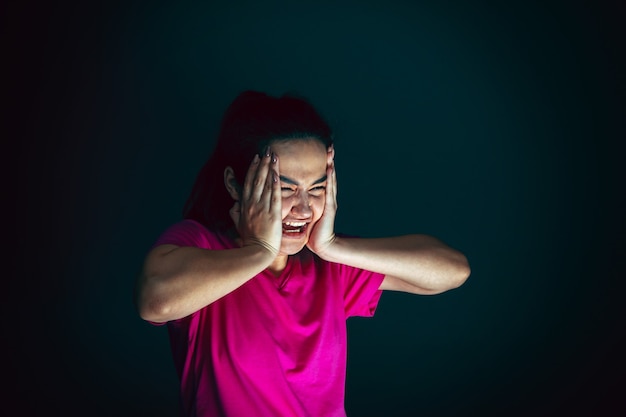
(317, 190)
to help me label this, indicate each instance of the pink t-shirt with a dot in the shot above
(274, 347)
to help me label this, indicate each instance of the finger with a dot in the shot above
(331, 185)
(247, 184)
(235, 213)
(270, 178)
(330, 154)
(258, 184)
(276, 199)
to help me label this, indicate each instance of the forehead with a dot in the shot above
(303, 160)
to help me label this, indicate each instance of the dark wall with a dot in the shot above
(497, 128)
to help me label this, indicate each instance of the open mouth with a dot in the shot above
(294, 228)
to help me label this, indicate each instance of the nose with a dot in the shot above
(301, 206)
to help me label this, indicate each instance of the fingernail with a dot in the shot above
(256, 158)
(273, 157)
(267, 151)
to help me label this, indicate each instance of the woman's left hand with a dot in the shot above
(323, 233)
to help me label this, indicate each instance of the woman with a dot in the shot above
(255, 285)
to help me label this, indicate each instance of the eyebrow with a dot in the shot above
(294, 182)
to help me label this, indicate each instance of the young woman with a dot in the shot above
(255, 285)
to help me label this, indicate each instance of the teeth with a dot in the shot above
(295, 224)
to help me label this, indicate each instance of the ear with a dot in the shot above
(232, 186)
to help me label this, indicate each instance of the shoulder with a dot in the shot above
(189, 232)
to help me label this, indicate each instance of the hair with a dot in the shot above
(250, 123)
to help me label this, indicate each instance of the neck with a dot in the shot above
(278, 265)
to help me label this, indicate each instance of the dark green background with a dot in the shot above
(497, 128)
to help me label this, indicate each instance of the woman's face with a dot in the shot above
(302, 165)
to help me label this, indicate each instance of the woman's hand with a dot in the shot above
(323, 233)
(258, 215)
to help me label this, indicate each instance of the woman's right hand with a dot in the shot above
(257, 215)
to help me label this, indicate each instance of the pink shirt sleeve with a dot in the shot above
(185, 233)
(361, 291)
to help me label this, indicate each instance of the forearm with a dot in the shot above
(422, 263)
(177, 281)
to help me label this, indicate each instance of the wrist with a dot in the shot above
(262, 248)
(326, 250)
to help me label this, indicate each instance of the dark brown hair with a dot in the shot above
(250, 123)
